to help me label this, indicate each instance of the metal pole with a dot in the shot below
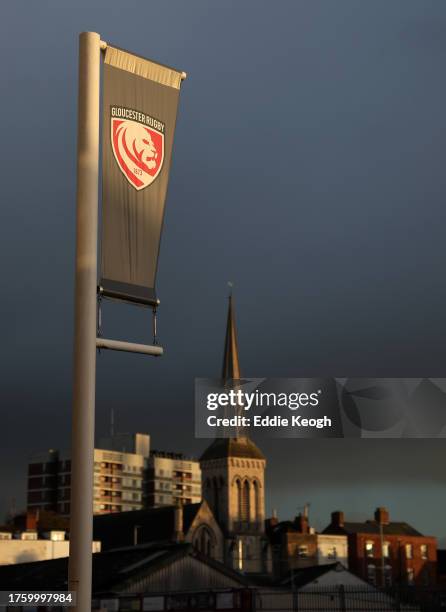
(82, 442)
(129, 347)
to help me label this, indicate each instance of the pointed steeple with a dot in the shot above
(231, 364)
(241, 445)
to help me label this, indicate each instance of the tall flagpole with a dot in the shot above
(82, 442)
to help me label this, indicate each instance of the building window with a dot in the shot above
(424, 551)
(302, 552)
(386, 550)
(203, 541)
(371, 573)
(238, 488)
(240, 555)
(257, 501)
(369, 549)
(245, 502)
(215, 497)
(410, 575)
(409, 551)
(388, 575)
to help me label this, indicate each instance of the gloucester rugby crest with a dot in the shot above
(138, 145)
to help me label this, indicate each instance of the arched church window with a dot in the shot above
(203, 541)
(240, 553)
(245, 502)
(238, 486)
(257, 500)
(216, 498)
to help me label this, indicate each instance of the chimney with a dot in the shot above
(337, 519)
(301, 523)
(272, 521)
(32, 518)
(382, 516)
(178, 523)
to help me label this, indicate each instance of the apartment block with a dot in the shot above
(172, 479)
(127, 476)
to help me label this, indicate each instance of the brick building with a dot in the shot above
(385, 552)
(295, 545)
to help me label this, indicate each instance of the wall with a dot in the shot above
(24, 551)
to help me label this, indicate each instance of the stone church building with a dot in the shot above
(233, 481)
(228, 525)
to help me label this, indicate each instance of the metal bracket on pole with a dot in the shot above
(129, 347)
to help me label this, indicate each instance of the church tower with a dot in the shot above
(233, 476)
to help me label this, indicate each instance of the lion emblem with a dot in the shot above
(138, 150)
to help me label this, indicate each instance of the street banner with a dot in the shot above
(140, 101)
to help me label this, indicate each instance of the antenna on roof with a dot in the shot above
(112, 422)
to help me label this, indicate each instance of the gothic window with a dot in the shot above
(245, 502)
(238, 486)
(257, 500)
(216, 498)
(203, 541)
(240, 553)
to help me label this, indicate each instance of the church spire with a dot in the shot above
(231, 364)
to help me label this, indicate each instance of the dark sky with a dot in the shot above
(309, 168)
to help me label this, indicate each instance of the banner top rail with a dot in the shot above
(143, 67)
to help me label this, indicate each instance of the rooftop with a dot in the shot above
(373, 527)
(153, 524)
(242, 447)
(112, 571)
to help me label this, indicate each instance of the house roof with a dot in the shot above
(112, 570)
(306, 575)
(154, 524)
(242, 447)
(372, 527)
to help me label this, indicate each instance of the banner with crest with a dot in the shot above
(140, 101)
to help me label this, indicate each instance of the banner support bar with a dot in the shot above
(129, 347)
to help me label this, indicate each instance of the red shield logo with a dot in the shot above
(138, 150)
